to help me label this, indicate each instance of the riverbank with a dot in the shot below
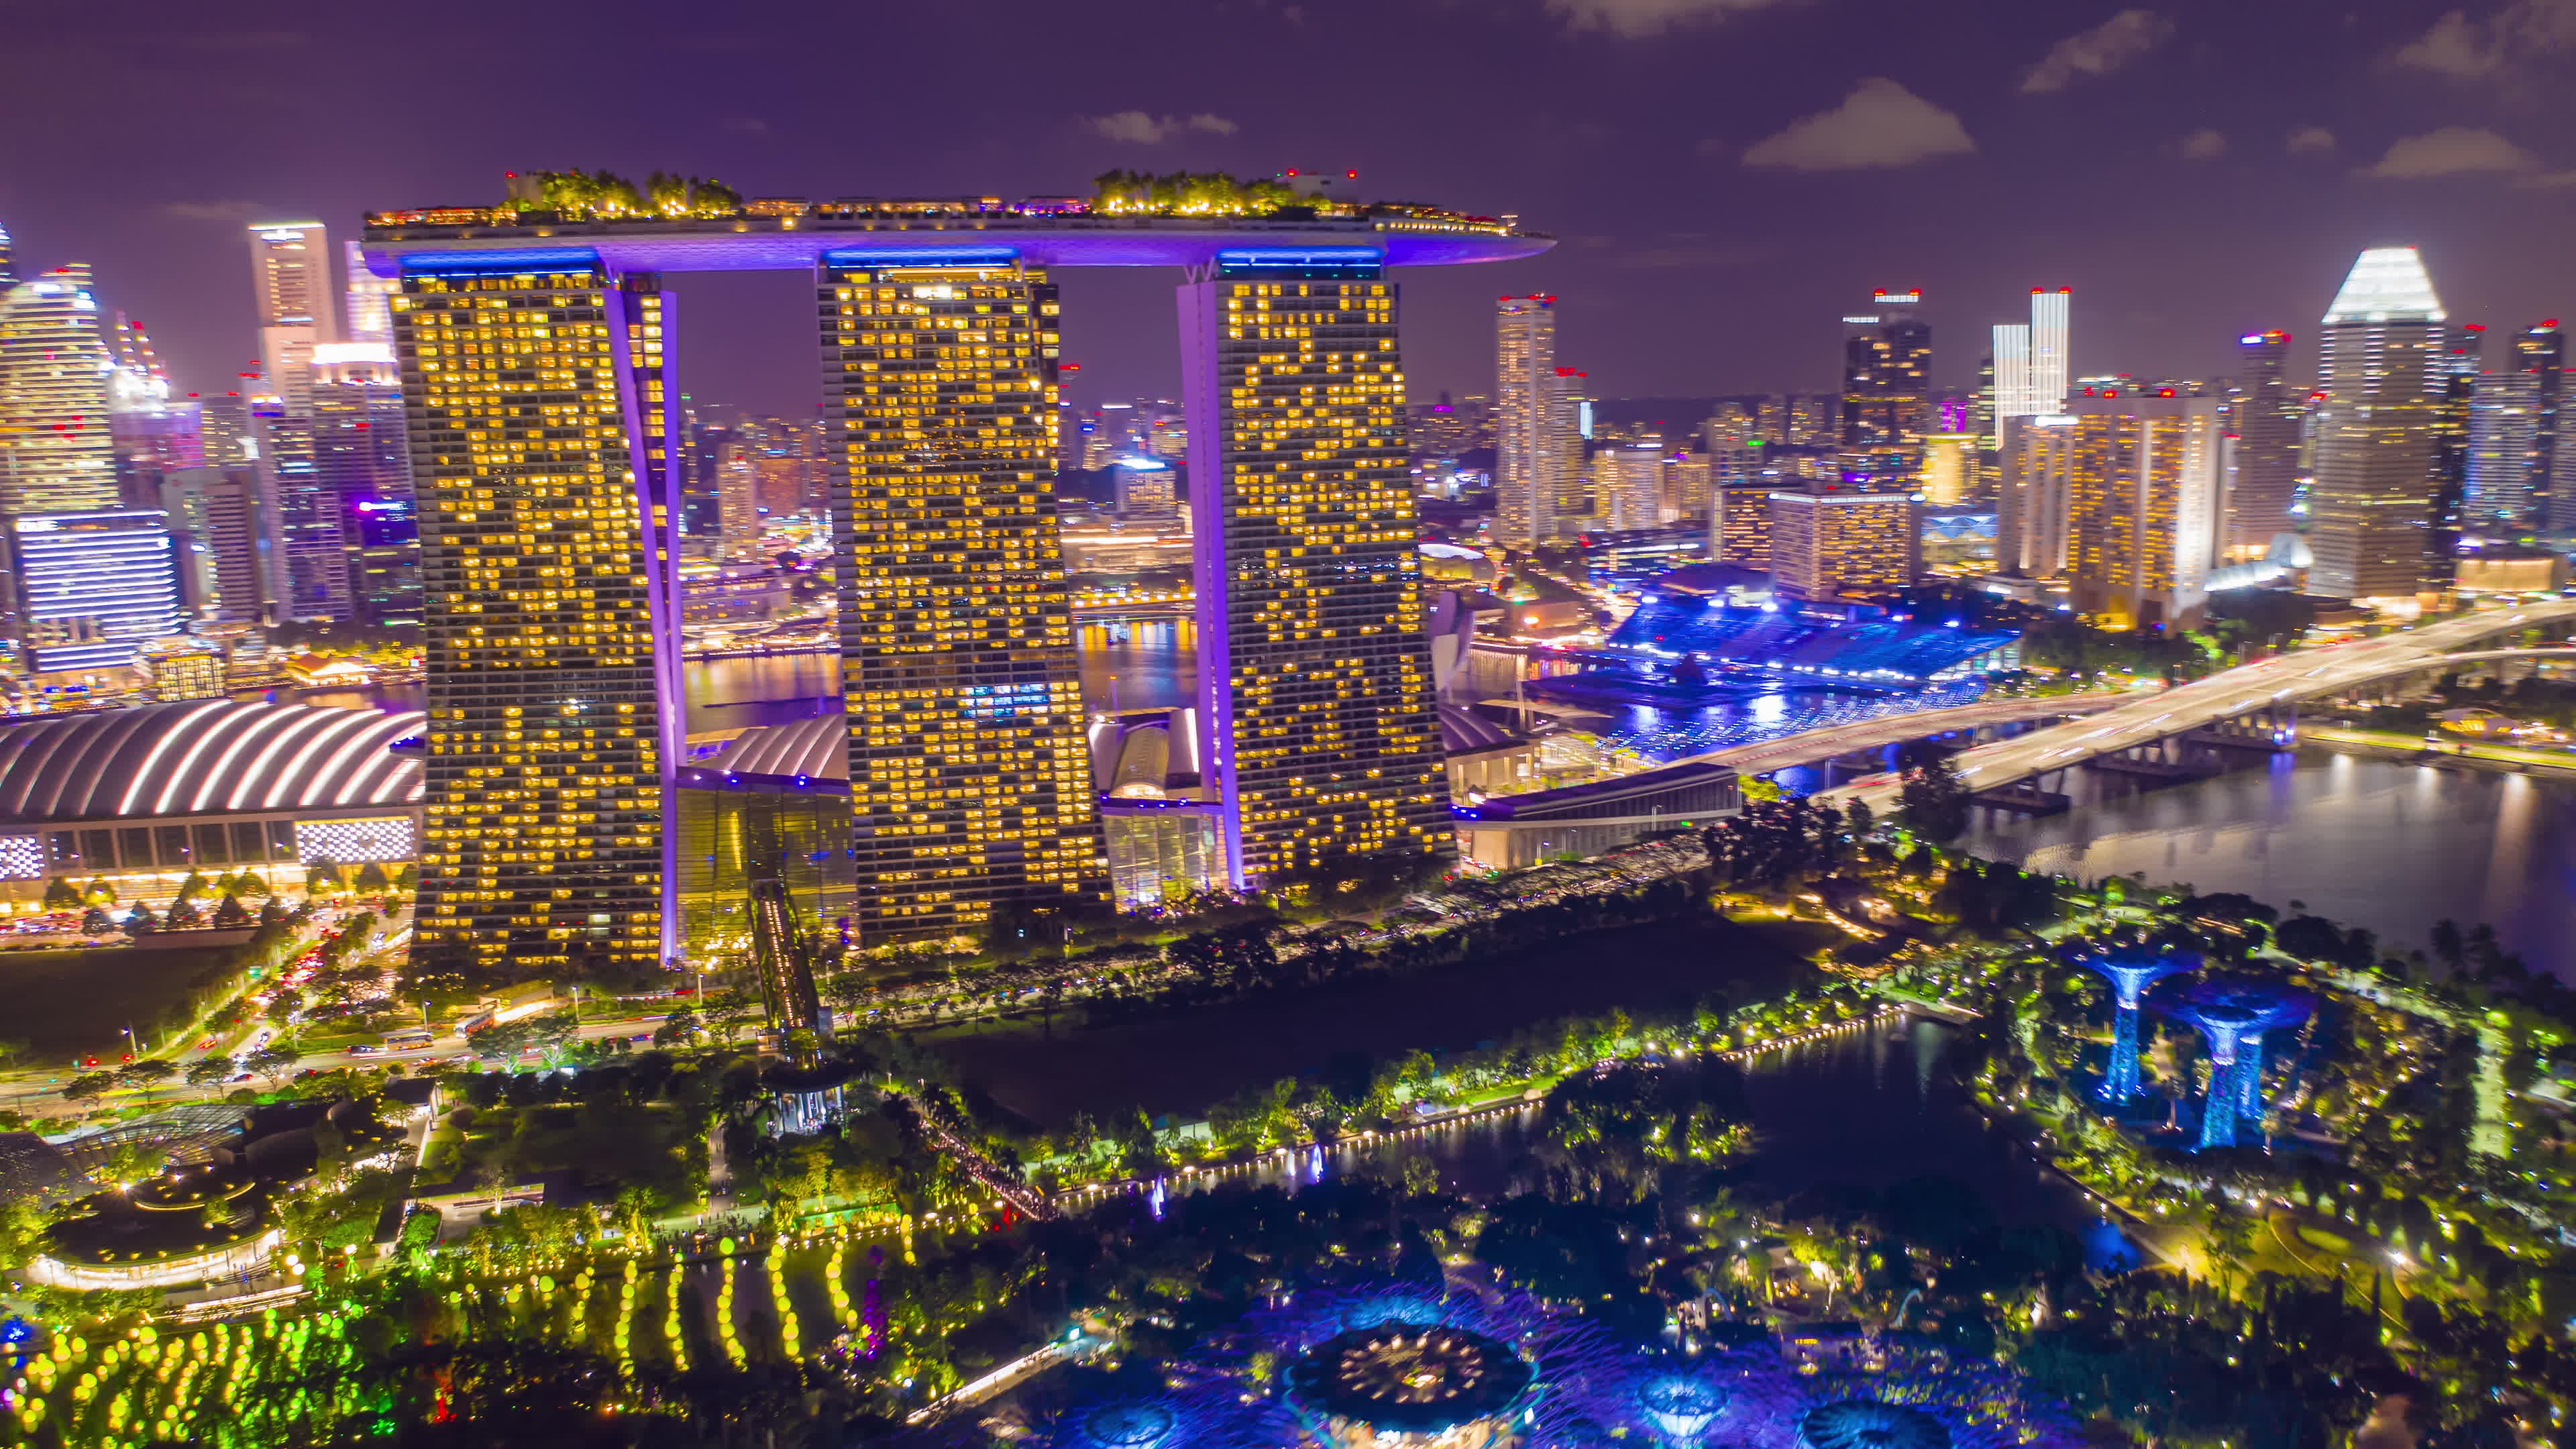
(1179, 1060)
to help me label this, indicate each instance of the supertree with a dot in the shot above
(2130, 974)
(2234, 1016)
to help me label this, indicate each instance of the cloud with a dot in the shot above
(2098, 51)
(1691, 254)
(744, 126)
(2310, 140)
(2460, 47)
(237, 211)
(2451, 151)
(2205, 144)
(1633, 18)
(1141, 129)
(1880, 123)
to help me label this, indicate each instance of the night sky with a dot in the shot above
(1727, 176)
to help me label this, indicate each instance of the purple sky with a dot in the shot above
(1728, 176)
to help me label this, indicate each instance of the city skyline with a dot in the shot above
(2317, 132)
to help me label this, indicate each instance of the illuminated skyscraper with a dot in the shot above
(2051, 369)
(537, 392)
(2264, 480)
(1527, 454)
(1887, 390)
(57, 454)
(362, 478)
(1830, 541)
(1317, 690)
(2540, 353)
(92, 589)
(2141, 506)
(370, 301)
(8, 262)
(1569, 439)
(970, 782)
(291, 290)
(2038, 470)
(2504, 423)
(2369, 521)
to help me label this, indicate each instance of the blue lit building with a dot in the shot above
(1673, 635)
(91, 589)
(2234, 1018)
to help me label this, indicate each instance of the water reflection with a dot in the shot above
(2394, 847)
(1870, 1109)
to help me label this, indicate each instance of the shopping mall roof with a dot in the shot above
(1863, 651)
(204, 757)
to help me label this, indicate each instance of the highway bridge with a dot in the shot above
(2224, 702)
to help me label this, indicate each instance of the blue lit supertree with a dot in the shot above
(2234, 1017)
(2130, 974)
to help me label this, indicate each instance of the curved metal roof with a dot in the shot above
(817, 748)
(204, 757)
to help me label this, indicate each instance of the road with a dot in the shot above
(1814, 745)
(2228, 694)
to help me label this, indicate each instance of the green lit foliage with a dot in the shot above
(606, 196)
(1189, 193)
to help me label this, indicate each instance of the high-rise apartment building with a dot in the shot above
(2505, 413)
(538, 399)
(970, 782)
(2141, 504)
(1318, 694)
(57, 451)
(1886, 409)
(1570, 435)
(2263, 481)
(1628, 487)
(1830, 541)
(2370, 514)
(2031, 538)
(1527, 453)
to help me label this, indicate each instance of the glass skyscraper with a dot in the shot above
(2370, 518)
(537, 389)
(1527, 453)
(1317, 692)
(970, 783)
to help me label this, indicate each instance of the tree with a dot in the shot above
(88, 1086)
(371, 880)
(139, 920)
(678, 1029)
(191, 888)
(1934, 798)
(146, 1075)
(229, 914)
(61, 895)
(274, 1062)
(211, 1071)
(322, 877)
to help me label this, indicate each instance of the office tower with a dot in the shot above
(1628, 487)
(1886, 407)
(2540, 353)
(2455, 389)
(291, 290)
(92, 589)
(370, 301)
(153, 431)
(2561, 517)
(1316, 675)
(2505, 418)
(737, 500)
(2263, 482)
(1570, 437)
(1950, 463)
(2369, 516)
(1687, 480)
(701, 500)
(549, 593)
(362, 475)
(2031, 539)
(2012, 381)
(1739, 519)
(8, 262)
(1144, 491)
(57, 451)
(2051, 364)
(223, 423)
(1526, 452)
(217, 511)
(1830, 541)
(308, 557)
(970, 780)
(2141, 495)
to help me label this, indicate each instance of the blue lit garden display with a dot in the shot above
(1389, 1365)
(2233, 1017)
(2130, 974)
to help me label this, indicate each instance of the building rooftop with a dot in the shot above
(204, 757)
(1860, 651)
(2386, 284)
